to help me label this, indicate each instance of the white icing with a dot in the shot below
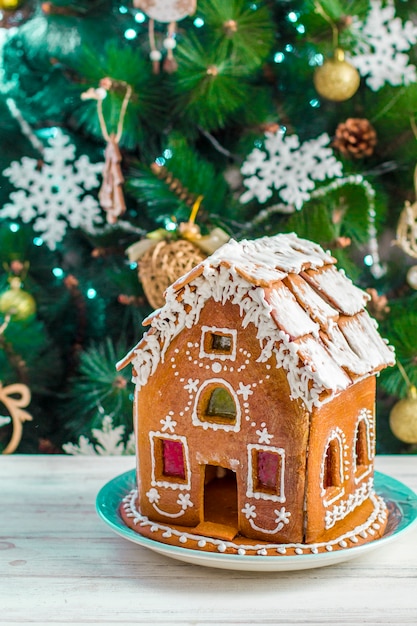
(264, 436)
(285, 253)
(245, 391)
(289, 315)
(379, 512)
(324, 371)
(168, 424)
(311, 301)
(362, 335)
(339, 290)
(345, 507)
(340, 351)
(183, 501)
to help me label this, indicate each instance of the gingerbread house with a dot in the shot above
(254, 410)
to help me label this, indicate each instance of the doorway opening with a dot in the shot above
(220, 496)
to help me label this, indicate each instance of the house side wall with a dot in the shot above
(335, 429)
(266, 420)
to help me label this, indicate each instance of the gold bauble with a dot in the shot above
(10, 5)
(412, 277)
(336, 79)
(403, 417)
(16, 302)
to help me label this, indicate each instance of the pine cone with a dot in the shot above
(355, 138)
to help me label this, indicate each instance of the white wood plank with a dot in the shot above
(61, 564)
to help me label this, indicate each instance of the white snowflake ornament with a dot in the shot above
(53, 196)
(108, 441)
(383, 40)
(288, 167)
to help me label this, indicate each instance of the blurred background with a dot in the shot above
(137, 136)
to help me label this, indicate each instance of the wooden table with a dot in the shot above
(61, 564)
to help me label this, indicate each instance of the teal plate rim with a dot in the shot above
(400, 499)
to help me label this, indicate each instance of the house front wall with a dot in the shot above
(260, 445)
(341, 461)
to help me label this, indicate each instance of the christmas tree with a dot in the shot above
(139, 136)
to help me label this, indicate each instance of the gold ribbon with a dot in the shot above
(14, 405)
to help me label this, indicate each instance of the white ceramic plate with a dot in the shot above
(401, 501)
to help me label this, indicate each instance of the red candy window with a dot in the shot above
(268, 470)
(173, 458)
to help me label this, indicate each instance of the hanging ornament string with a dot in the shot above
(335, 31)
(111, 196)
(25, 128)
(155, 55)
(336, 80)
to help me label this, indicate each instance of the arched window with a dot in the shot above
(216, 406)
(332, 471)
(362, 444)
(221, 405)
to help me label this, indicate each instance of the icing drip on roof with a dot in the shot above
(314, 322)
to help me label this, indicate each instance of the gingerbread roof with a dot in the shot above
(308, 314)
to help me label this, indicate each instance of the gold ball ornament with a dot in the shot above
(412, 277)
(336, 79)
(403, 417)
(10, 5)
(17, 302)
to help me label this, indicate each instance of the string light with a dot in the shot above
(91, 293)
(198, 22)
(130, 34)
(279, 57)
(58, 272)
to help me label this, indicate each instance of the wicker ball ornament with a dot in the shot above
(355, 138)
(163, 264)
(336, 80)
